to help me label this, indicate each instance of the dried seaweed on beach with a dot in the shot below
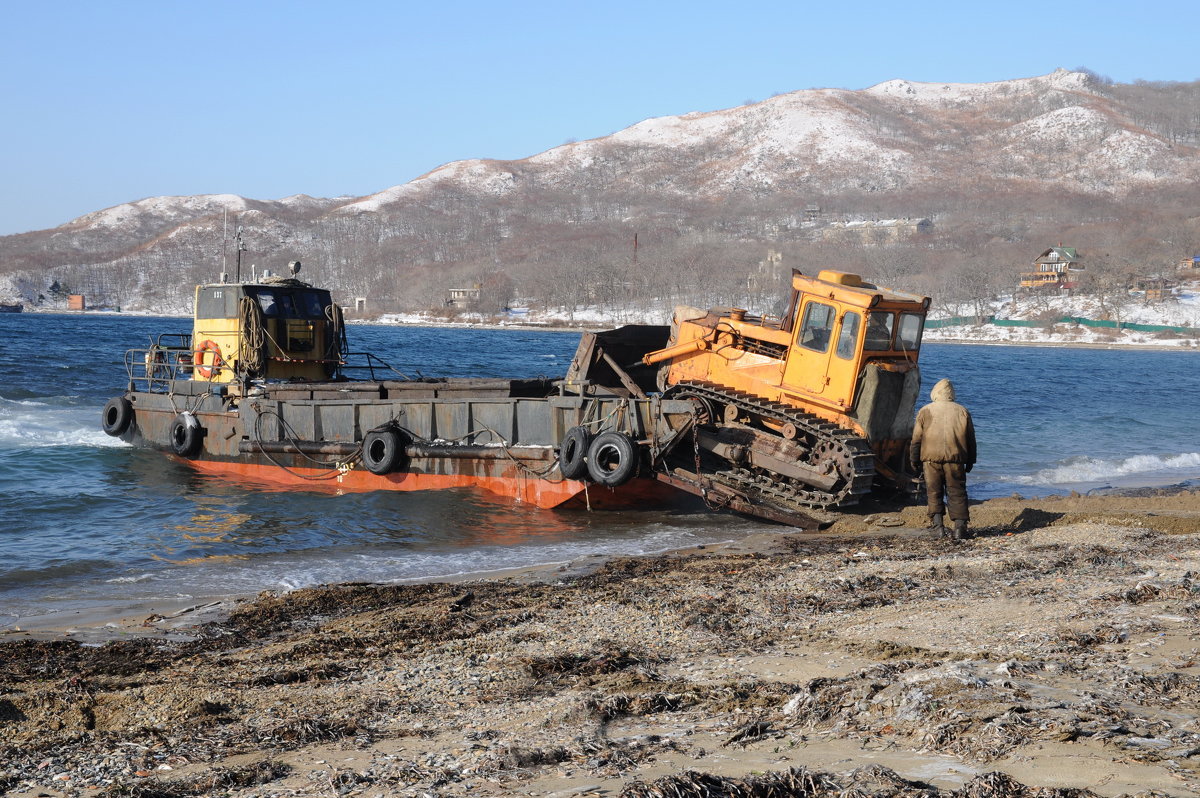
(910, 649)
(215, 781)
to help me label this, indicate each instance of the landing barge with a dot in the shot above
(784, 419)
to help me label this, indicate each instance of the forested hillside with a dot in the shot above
(948, 189)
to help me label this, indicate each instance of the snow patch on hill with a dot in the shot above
(1071, 125)
(379, 200)
(486, 177)
(959, 93)
(1089, 147)
(159, 209)
(1131, 156)
(785, 136)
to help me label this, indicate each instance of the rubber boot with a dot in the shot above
(935, 526)
(960, 530)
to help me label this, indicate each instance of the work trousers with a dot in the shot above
(952, 478)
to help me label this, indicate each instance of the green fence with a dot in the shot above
(958, 321)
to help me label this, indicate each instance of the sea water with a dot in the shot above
(87, 521)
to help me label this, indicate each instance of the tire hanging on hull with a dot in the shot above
(612, 459)
(383, 450)
(572, 453)
(116, 416)
(186, 435)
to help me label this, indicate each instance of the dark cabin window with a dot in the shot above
(879, 331)
(289, 304)
(266, 300)
(310, 305)
(848, 337)
(911, 325)
(816, 327)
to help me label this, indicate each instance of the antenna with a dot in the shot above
(241, 247)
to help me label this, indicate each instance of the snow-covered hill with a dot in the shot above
(1050, 129)
(701, 189)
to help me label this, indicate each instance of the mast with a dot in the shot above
(241, 247)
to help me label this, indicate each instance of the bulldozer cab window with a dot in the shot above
(911, 325)
(816, 327)
(879, 331)
(848, 337)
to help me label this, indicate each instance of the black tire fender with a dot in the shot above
(612, 459)
(572, 453)
(116, 416)
(383, 450)
(186, 435)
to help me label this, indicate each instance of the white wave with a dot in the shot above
(129, 580)
(314, 567)
(292, 573)
(28, 425)
(1090, 469)
(222, 578)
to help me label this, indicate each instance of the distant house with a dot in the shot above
(1155, 289)
(1056, 268)
(76, 302)
(1191, 264)
(463, 297)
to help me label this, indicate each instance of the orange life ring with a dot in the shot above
(198, 357)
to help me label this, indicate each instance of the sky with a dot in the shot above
(111, 102)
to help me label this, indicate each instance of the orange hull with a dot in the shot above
(512, 483)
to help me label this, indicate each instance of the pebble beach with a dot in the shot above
(1055, 654)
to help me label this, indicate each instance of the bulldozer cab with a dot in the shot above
(840, 326)
(279, 330)
(845, 350)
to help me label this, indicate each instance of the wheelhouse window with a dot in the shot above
(848, 337)
(291, 304)
(266, 301)
(817, 326)
(309, 303)
(911, 327)
(879, 331)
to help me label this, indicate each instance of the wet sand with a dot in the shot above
(1057, 650)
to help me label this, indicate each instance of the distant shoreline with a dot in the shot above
(1063, 345)
(599, 327)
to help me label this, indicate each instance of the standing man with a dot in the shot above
(943, 441)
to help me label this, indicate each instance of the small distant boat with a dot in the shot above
(16, 308)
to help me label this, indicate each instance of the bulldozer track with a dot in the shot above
(853, 454)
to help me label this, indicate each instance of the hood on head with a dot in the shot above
(942, 392)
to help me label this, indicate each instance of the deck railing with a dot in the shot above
(170, 358)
